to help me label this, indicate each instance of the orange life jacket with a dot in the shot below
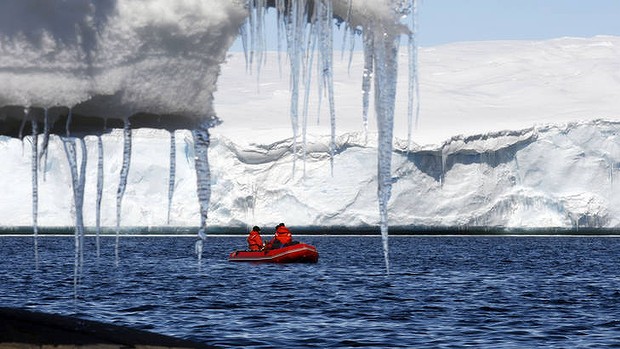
(255, 242)
(283, 235)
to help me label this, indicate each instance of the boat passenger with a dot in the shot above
(281, 238)
(255, 242)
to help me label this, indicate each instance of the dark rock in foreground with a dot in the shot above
(27, 329)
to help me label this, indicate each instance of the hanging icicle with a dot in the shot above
(280, 10)
(309, 62)
(259, 37)
(413, 105)
(68, 124)
(171, 179)
(243, 33)
(35, 187)
(326, 51)
(319, 95)
(99, 190)
(203, 177)
(78, 180)
(46, 139)
(251, 24)
(351, 50)
(367, 76)
(69, 146)
(23, 123)
(380, 42)
(123, 181)
(347, 29)
(81, 185)
(386, 73)
(295, 39)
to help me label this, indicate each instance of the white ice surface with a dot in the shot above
(534, 176)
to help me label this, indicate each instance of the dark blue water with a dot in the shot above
(442, 292)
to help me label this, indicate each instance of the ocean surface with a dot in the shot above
(441, 292)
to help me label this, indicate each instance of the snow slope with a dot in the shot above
(556, 168)
(465, 88)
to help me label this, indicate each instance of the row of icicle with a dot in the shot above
(78, 180)
(380, 62)
(380, 43)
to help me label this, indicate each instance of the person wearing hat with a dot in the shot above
(281, 238)
(283, 234)
(255, 242)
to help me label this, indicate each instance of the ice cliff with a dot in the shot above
(548, 176)
(158, 62)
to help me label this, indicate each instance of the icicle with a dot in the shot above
(243, 33)
(414, 92)
(280, 8)
(414, 29)
(385, 62)
(320, 95)
(251, 23)
(346, 28)
(22, 125)
(260, 38)
(35, 190)
(123, 181)
(326, 51)
(81, 184)
(369, 48)
(351, 51)
(294, 39)
(99, 189)
(312, 38)
(69, 146)
(68, 123)
(46, 138)
(173, 161)
(78, 183)
(203, 177)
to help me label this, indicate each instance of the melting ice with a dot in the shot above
(128, 59)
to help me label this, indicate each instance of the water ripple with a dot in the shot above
(443, 292)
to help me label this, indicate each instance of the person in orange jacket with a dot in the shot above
(255, 242)
(281, 238)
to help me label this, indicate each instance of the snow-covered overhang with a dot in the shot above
(153, 62)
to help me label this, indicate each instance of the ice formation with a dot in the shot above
(562, 176)
(93, 65)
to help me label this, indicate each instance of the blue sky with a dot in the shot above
(445, 21)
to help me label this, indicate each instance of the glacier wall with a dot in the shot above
(548, 176)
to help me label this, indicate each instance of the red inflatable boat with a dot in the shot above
(297, 253)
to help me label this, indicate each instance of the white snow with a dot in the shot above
(465, 88)
(533, 176)
(66, 53)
